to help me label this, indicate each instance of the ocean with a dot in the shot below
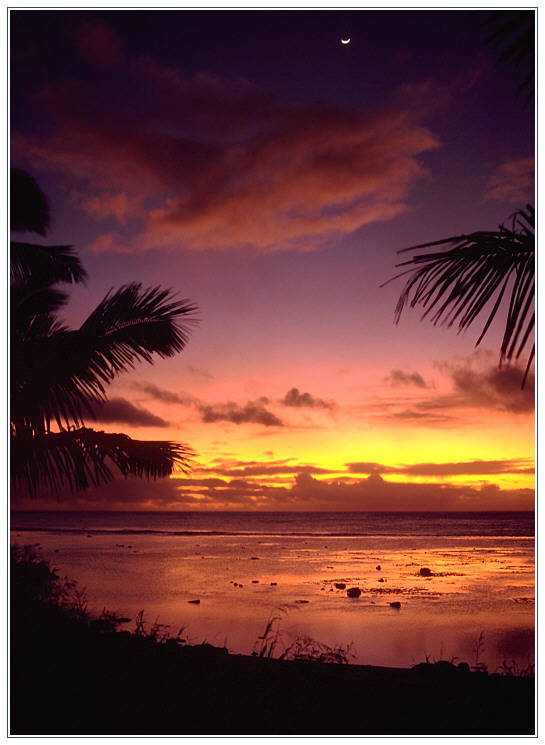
(474, 601)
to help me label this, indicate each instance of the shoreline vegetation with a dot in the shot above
(76, 673)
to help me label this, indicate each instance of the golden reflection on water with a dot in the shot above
(474, 586)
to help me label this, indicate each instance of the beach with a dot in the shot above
(476, 604)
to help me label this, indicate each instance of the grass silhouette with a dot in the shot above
(74, 672)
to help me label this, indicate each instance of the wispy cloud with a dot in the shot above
(190, 158)
(512, 181)
(461, 468)
(199, 373)
(286, 467)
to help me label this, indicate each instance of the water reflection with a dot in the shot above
(474, 585)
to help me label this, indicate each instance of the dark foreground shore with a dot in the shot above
(67, 679)
(70, 675)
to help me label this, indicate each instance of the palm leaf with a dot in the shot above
(29, 208)
(27, 309)
(457, 285)
(58, 376)
(79, 459)
(513, 41)
(40, 266)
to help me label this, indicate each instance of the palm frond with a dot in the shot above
(27, 308)
(513, 41)
(40, 266)
(79, 459)
(457, 285)
(29, 208)
(57, 377)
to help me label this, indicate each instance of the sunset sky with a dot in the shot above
(256, 165)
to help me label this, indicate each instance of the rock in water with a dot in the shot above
(353, 592)
(425, 572)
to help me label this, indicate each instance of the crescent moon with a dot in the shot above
(345, 41)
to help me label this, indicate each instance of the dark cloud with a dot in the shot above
(367, 467)
(492, 387)
(123, 412)
(477, 383)
(401, 378)
(206, 152)
(253, 412)
(461, 468)
(376, 494)
(294, 398)
(304, 493)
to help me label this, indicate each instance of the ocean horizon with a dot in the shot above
(494, 522)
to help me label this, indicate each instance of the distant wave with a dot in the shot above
(493, 533)
(281, 525)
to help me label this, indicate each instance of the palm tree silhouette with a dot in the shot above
(485, 267)
(58, 375)
(458, 284)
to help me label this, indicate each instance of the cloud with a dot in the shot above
(257, 468)
(410, 415)
(376, 494)
(161, 394)
(98, 44)
(184, 160)
(253, 412)
(401, 378)
(477, 384)
(199, 372)
(461, 468)
(512, 181)
(304, 493)
(440, 410)
(367, 467)
(107, 205)
(122, 411)
(490, 387)
(296, 399)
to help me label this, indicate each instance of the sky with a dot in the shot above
(259, 167)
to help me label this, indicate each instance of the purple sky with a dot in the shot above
(259, 167)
